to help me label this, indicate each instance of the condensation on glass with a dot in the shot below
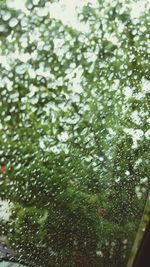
(74, 130)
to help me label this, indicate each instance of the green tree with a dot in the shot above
(74, 131)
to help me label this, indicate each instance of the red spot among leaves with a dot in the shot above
(102, 212)
(3, 168)
(82, 261)
(86, 261)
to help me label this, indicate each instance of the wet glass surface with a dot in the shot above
(74, 129)
(11, 264)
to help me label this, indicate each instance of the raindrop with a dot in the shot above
(13, 22)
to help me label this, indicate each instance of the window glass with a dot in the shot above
(74, 129)
(11, 264)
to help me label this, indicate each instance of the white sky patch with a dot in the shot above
(5, 212)
(139, 7)
(147, 134)
(4, 62)
(76, 81)
(127, 92)
(66, 11)
(63, 137)
(135, 117)
(18, 5)
(145, 86)
(136, 134)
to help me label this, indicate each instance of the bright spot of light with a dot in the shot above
(139, 7)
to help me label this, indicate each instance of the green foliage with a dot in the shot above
(74, 132)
